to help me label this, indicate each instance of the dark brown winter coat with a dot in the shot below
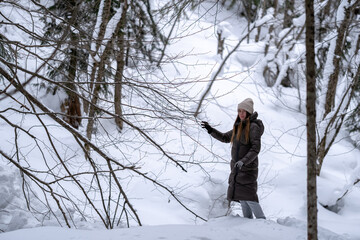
(243, 182)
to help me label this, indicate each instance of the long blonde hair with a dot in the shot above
(240, 128)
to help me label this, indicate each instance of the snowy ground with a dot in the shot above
(217, 229)
(282, 178)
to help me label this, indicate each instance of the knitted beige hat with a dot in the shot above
(247, 105)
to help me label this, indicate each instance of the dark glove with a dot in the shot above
(206, 126)
(239, 164)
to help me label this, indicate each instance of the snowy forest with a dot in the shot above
(101, 103)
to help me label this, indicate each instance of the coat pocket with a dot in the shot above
(251, 166)
(246, 177)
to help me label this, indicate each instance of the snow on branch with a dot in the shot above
(253, 26)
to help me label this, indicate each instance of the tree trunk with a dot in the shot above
(288, 13)
(98, 38)
(220, 43)
(94, 100)
(71, 105)
(334, 77)
(311, 121)
(337, 120)
(322, 25)
(100, 78)
(271, 29)
(120, 60)
(257, 37)
(104, 21)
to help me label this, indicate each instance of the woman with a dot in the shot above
(245, 138)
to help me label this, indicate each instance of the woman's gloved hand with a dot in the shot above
(239, 164)
(206, 126)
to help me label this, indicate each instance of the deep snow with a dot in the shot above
(230, 227)
(282, 178)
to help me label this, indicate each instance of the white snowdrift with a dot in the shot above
(231, 227)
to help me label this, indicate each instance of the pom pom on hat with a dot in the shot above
(247, 105)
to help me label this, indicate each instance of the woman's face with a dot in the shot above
(242, 114)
